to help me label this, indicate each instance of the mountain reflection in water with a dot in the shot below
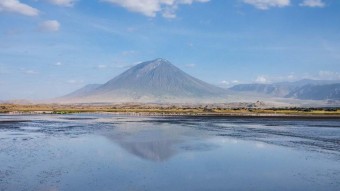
(158, 143)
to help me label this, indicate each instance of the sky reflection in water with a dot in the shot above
(109, 152)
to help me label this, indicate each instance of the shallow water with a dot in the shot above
(111, 152)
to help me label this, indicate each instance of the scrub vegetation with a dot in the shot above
(154, 109)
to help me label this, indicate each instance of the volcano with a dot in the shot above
(152, 81)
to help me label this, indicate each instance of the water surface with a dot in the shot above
(112, 152)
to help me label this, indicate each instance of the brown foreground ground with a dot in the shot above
(239, 109)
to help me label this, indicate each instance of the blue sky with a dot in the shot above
(51, 47)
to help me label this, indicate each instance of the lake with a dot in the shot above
(116, 152)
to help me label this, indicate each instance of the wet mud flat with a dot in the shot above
(119, 152)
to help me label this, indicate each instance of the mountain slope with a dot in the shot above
(83, 91)
(268, 89)
(316, 92)
(152, 81)
(159, 77)
(302, 89)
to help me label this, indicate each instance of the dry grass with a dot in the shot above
(166, 110)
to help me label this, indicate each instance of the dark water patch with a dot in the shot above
(9, 127)
(272, 125)
(78, 118)
(11, 124)
(6, 122)
(325, 126)
(317, 145)
(17, 134)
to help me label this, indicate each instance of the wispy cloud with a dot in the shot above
(150, 8)
(262, 79)
(225, 82)
(65, 3)
(72, 81)
(102, 66)
(328, 75)
(128, 53)
(126, 65)
(266, 4)
(229, 83)
(30, 72)
(58, 64)
(16, 6)
(190, 65)
(49, 26)
(313, 3)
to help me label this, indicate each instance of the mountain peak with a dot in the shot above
(156, 80)
(161, 60)
(160, 65)
(157, 62)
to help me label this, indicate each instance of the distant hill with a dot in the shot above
(83, 91)
(268, 89)
(316, 92)
(152, 81)
(303, 89)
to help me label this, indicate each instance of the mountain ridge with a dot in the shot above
(304, 89)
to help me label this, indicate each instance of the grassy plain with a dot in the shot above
(154, 109)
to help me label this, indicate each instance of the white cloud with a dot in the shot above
(50, 26)
(291, 77)
(102, 66)
(65, 3)
(30, 72)
(126, 65)
(190, 65)
(224, 82)
(266, 4)
(58, 64)
(150, 8)
(261, 80)
(128, 53)
(169, 12)
(313, 3)
(328, 75)
(229, 83)
(17, 7)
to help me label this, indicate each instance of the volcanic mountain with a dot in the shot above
(152, 81)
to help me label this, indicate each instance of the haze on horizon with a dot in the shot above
(49, 48)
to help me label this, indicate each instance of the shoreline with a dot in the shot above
(173, 110)
(184, 114)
